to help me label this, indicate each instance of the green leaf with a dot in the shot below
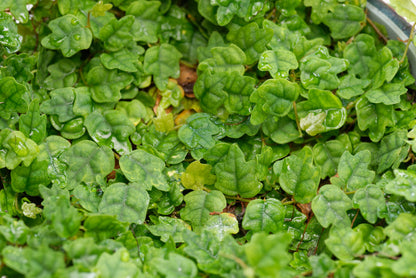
(14, 231)
(103, 227)
(319, 69)
(264, 215)
(62, 74)
(100, 8)
(360, 53)
(105, 85)
(145, 168)
(197, 175)
(345, 21)
(88, 197)
(402, 228)
(370, 200)
(327, 156)
(197, 133)
(373, 267)
(27, 179)
(68, 34)
(123, 60)
(322, 112)
(320, 9)
(282, 131)
(213, 256)
(57, 208)
(405, 8)
(267, 254)
(222, 225)
(330, 206)
(146, 27)
(128, 202)
(251, 39)
(42, 262)
(345, 243)
(169, 228)
(13, 97)
(32, 124)
(299, 177)
(224, 59)
(162, 62)
(405, 266)
(278, 62)
(393, 150)
(176, 266)
(116, 33)
(30, 210)
(274, 97)
(118, 264)
(404, 184)
(235, 175)
(322, 265)
(87, 163)
(351, 86)
(353, 172)
(61, 104)
(372, 236)
(17, 149)
(199, 205)
(112, 129)
(10, 39)
(388, 94)
(374, 117)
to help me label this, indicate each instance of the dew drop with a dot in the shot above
(74, 21)
(77, 37)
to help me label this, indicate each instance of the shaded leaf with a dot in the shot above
(370, 200)
(264, 215)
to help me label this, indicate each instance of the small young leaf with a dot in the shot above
(197, 175)
(68, 34)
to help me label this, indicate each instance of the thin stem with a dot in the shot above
(350, 192)
(288, 203)
(355, 217)
(408, 43)
(239, 199)
(379, 33)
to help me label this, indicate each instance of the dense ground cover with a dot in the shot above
(209, 138)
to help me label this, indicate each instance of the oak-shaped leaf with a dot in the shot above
(322, 112)
(370, 200)
(327, 156)
(176, 266)
(222, 224)
(122, 59)
(162, 62)
(375, 117)
(404, 184)
(146, 27)
(118, 264)
(116, 33)
(274, 97)
(13, 97)
(105, 85)
(62, 74)
(251, 39)
(351, 86)
(144, 168)
(32, 124)
(87, 163)
(299, 177)
(168, 228)
(199, 204)
(353, 172)
(264, 215)
(393, 150)
(278, 62)
(345, 21)
(224, 59)
(128, 202)
(11, 40)
(345, 243)
(61, 104)
(111, 128)
(68, 34)
(387, 94)
(330, 206)
(235, 176)
(16, 148)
